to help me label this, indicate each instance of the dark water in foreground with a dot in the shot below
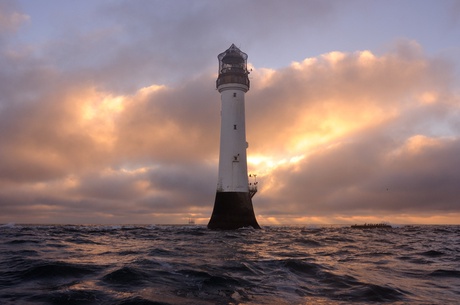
(192, 265)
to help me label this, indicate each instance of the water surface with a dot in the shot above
(193, 265)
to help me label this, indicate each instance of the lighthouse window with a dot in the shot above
(234, 127)
(234, 94)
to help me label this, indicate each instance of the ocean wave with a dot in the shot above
(192, 265)
(57, 269)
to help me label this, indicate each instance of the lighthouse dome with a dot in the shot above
(233, 58)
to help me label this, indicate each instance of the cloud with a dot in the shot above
(178, 125)
(123, 46)
(332, 137)
(377, 136)
(50, 136)
(368, 176)
(10, 17)
(335, 94)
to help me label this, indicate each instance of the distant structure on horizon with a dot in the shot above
(233, 204)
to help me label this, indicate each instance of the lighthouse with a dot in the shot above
(233, 204)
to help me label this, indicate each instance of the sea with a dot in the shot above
(172, 264)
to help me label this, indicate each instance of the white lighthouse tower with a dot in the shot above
(233, 204)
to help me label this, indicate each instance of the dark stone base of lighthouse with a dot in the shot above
(232, 210)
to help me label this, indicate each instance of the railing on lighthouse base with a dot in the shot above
(253, 185)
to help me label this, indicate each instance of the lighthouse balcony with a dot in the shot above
(231, 78)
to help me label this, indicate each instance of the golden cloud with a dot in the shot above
(328, 136)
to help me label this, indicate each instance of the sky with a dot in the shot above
(109, 112)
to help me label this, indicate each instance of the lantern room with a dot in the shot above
(233, 67)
